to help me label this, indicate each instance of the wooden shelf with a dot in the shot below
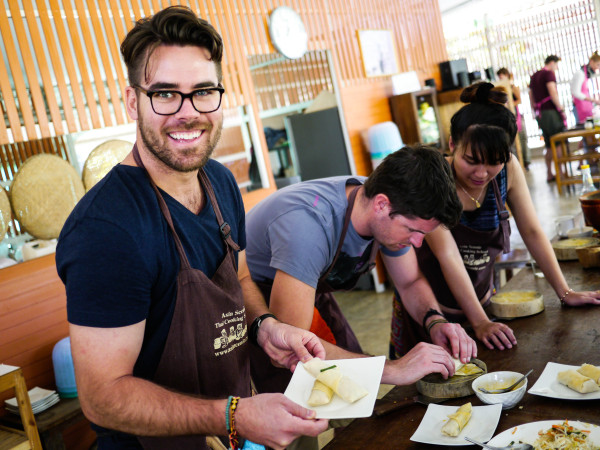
(562, 164)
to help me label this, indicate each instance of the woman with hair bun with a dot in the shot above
(459, 263)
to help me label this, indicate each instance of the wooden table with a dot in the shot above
(562, 167)
(52, 422)
(559, 334)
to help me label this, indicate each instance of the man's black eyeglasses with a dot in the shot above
(168, 102)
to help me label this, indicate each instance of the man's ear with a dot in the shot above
(381, 204)
(131, 102)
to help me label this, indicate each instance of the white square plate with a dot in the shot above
(36, 395)
(480, 427)
(548, 386)
(365, 371)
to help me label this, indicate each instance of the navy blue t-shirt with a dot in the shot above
(117, 257)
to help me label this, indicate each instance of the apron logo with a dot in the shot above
(231, 332)
(475, 257)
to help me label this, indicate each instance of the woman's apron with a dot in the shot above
(328, 321)
(206, 351)
(479, 250)
(583, 107)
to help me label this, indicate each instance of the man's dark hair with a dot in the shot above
(419, 183)
(551, 58)
(175, 25)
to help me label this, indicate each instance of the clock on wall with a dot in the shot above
(287, 32)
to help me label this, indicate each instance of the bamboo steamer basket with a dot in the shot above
(5, 214)
(433, 385)
(43, 193)
(566, 249)
(103, 158)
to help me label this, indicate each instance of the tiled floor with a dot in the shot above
(369, 313)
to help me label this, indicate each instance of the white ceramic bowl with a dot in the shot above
(497, 380)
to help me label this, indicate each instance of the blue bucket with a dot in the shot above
(64, 372)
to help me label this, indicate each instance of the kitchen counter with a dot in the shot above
(558, 334)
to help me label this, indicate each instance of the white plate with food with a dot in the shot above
(365, 372)
(528, 433)
(480, 427)
(547, 384)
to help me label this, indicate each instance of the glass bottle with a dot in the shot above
(587, 184)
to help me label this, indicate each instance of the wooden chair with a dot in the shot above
(11, 438)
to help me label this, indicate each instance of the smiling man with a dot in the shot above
(312, 238)
(158, 291)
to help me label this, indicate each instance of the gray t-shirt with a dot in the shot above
(297, 230)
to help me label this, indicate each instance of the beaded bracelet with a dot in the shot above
(432, 323)
(562, 299)
(227, 412)
(233, 434)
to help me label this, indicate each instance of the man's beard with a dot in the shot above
(161, 151)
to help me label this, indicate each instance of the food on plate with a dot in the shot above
(578, 382)
(591, 371)
(563, 436)
(517, 303)
(331, 376)
(320, 394)
(458, 420)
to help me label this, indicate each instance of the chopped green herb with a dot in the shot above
(327, 368)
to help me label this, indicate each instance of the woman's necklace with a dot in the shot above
(475, 200)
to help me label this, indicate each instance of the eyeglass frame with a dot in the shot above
(189, 95)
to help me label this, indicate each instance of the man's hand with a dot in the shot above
(495, 335)
(454, 338)
(275, 421)
(286, 345)
(421, 360)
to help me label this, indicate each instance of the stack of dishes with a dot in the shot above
(41, 400)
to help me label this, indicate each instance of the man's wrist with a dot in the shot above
(255, 327)
(432, 312)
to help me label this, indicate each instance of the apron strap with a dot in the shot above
(164, 209)
(223, 226)
(351, 200)
(503, 216)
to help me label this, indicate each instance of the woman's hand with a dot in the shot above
(495, 335)
(582, 298)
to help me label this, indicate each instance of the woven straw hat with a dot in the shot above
(5, 214)
(43, 193)
(103, 158)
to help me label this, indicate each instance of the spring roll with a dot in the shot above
(458, 420)
(342, 385)
(320, 394)
(578, 382)
(590, 371)
(315, 365)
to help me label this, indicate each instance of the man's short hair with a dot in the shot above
(419, 183)
(551, 58)
(175, 25)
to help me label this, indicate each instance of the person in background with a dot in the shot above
(158, 290)
(583, 101)
(504, 74)
(312, 238)
(459, 263)
(549, 112)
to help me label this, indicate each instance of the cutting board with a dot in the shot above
(433, 385)
(566, 249)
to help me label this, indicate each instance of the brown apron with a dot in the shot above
(206, 351)
(327, 313)
(479, 250)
